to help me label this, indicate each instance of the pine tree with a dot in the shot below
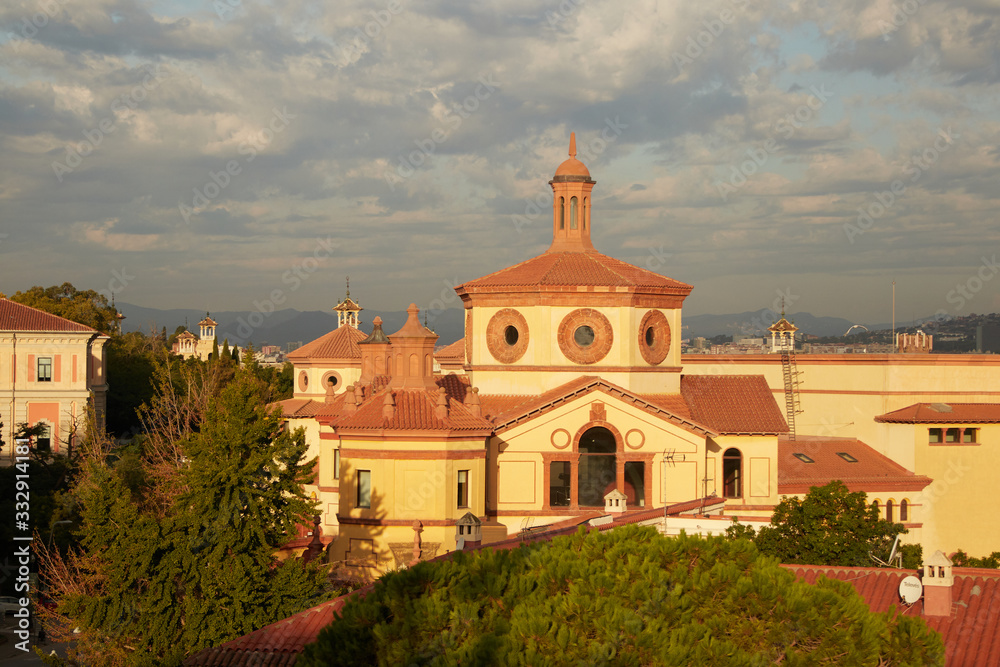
(624, 597)
(226, 354)
(215, 349)
(163, 575)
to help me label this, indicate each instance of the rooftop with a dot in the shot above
(811, 461)
(18, 317)
(944, 413)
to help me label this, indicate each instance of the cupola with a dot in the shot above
(571, 188)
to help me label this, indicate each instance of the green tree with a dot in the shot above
(132, 358)
(170, 565)
(624, 597)
(88, 307)
(830, 526)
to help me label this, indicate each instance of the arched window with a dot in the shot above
(904, 510)
(572, 213)
(888, 510)
(876, 506)
(562, 213)
(597, 471)
(583, 218)
(732, 473)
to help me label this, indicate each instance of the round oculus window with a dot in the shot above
(510, 335)
(585, 336)
(654, 337)
(507, 335)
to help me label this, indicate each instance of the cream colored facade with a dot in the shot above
(569, 387)
(50, 371)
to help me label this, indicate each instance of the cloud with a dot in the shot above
(412, 132)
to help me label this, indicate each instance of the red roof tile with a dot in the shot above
(733, 404)
(275, 645)
(971, 633)
(455, 351)
(521, 410)
(341, 343)
(414, 410)
(944, 413)
(572, 269)
(871, 473)
(18, 317)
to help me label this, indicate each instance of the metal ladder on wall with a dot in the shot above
(791, 374)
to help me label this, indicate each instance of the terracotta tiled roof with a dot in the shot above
(944, 413)
(675, 403)
(562, 270)
(17, 317)
(455, 351)
(971, 633)
(414, 410)
(871, 472)
(733, 404)
(522, 410)
(301, 407)
(275, 645)
(341, 343)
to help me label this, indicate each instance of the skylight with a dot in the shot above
(847, 457)
(802, 457)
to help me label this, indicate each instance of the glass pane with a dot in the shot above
(559, 483)
(364, 488)
(572, 213)
(598, 440)
(584, 336)
(635, 483)
(596, 479)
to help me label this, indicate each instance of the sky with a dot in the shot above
(244, 155)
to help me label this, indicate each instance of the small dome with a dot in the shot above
(572, 166)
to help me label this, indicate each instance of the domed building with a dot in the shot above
(566, 401)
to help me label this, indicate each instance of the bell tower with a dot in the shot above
(571, 188)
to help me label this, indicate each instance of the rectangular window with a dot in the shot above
(45, 369)
(364, 488)
(635, 483)
(969, 435)
(559, 476)
(43, 442)
(463, 488)
(935, 435)
(336, 464)
(951, 435)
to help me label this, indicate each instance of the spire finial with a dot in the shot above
(782, 306)
(572, 144)
(348, 287)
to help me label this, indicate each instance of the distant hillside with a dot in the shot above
(292, 326)
(282, 326)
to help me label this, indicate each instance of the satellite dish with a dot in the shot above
(910, 589)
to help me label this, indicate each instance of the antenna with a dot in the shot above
(910, 589)
(893, 556)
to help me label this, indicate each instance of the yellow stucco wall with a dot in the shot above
(543, 351)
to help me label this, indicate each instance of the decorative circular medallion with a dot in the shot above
(635, 439)
(303, 381)
(332, 379)
(654, 337)
(560, 438)
(585, 336)
(507, 335)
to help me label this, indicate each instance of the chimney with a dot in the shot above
(441, 410)
(473, 403)
(388, 406)
(615, 502)
(331, 393)
(938, 581)
(350, 401)
(468, 532)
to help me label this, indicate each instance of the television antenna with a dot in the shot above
(894, 556)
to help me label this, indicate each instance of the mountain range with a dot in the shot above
(282, 327)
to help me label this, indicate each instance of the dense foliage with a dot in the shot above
(830, 526)
(179, 533)
(625, 597)
(87, 307)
